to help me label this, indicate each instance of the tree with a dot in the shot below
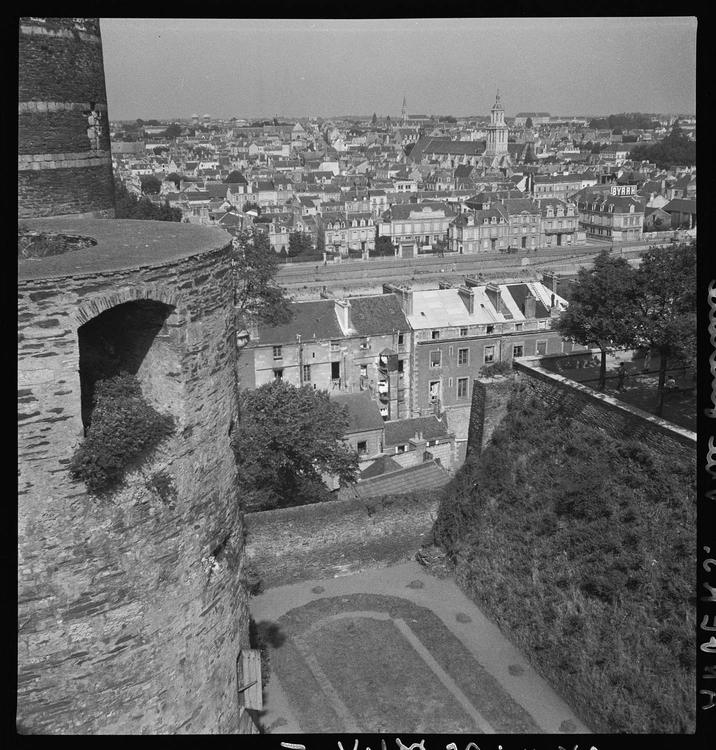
(286, 439)
(234, 176)
(666, 300)
(601, 310)
(299, 242)
(676, 149)
(528, 123)
(251, 206)
(257, 298)
(128, 206)
(173, 131)
(374, 120)
(150, 184)
(383, 246)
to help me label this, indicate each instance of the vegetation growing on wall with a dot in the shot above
(124, 429)
(581, 547)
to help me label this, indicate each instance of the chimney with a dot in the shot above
(444, 285)
(549, 279)
(467, 295)
(530, 307)
(343, 313)
(493, 294)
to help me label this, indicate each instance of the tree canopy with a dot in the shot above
(173, 131)
(150, 184)
(258, 299)
(299, 242)
(383, 246)
(676, 149)
(286, 439)
(666, 301)
(128, 206)
(602, 308)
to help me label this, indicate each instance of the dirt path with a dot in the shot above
(397, 650)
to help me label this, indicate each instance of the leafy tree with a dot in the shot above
(666, 300)
(674, 150)
(383, 246)
(128, 206)
(150, 184)
(299, 242)
(257, 298)
(601, 310)
(251, 206)
(234, 176)
(173, 131)
(287, 438)
(528, 123)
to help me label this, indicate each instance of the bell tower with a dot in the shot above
(497, 131)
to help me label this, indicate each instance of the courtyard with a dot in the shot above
(396, 650)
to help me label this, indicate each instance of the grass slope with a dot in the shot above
(581, 547)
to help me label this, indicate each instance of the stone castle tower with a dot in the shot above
(64, 161)
(131, 612)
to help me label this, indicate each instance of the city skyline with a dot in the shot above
(173, 68)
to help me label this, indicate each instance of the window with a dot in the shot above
(489, 354)
(517, 350)
(362, 448)
(277, 352)
(400, 449)
(463, 331)
(335, 370)
(335, 346)
(434, 390)
(278, 374)
(541, 347)
(400, 339)
(400, 366)
(462, 356)
(364, 371)
(461, 387)
(307, 373)
(490, 329)
(435, 335)
(518, 326)
(435, 357)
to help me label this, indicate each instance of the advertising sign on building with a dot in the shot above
(623, 190)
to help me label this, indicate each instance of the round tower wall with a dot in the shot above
(64, 157)
(130, 611)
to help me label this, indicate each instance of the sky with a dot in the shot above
(162, 68)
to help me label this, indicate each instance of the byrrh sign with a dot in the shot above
(623, 190)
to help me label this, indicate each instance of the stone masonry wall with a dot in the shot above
(335, 538)
(64, 159)
(490, 398)
(125, 622)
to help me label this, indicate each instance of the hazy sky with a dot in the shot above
(163, 68)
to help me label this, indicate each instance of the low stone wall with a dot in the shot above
(336, 538)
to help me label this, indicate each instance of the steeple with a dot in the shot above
(497, 131)
(404, 111)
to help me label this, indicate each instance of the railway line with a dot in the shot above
(309, 279)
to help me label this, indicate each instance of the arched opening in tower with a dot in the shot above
(132, 337)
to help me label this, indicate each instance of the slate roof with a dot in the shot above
(372, 316)
(310, 320)
(682, 205)
(519, 292)
(380, 466)
(402, 430)
(363, 412)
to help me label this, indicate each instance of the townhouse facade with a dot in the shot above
(420, 223)
(357, 345)
(608, 217)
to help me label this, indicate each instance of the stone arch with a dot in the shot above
(99, 304)
(135, 336)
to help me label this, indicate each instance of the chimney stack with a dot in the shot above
(493, 294)
(343, 313)
(530, 307)
(467, 295)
